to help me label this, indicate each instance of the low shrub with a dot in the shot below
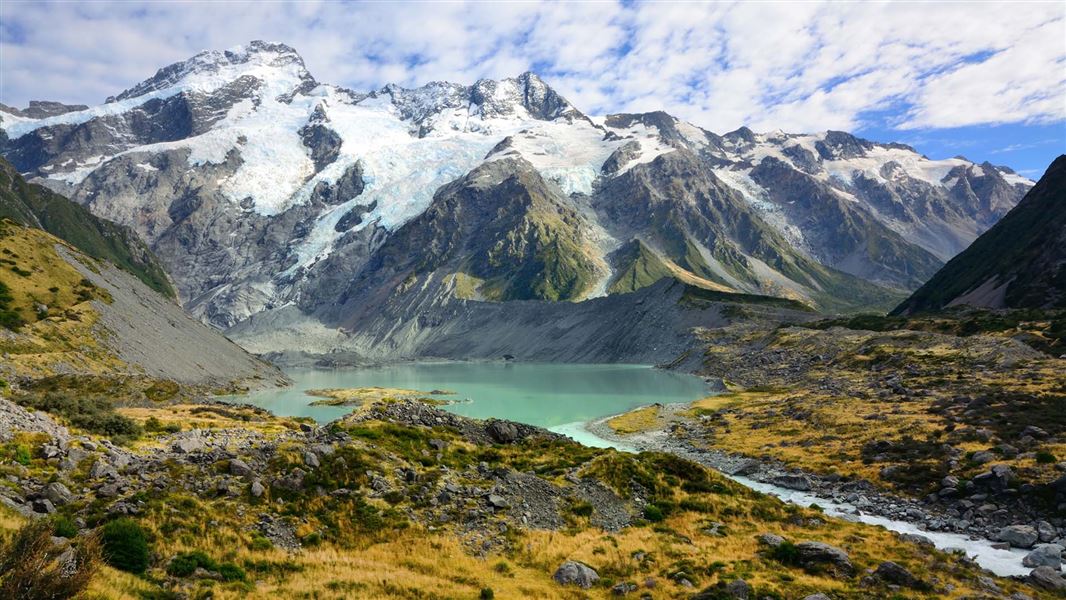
(125, 545)
(63, 527)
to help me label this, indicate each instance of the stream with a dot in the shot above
(1005, 563)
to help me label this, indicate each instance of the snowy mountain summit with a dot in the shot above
(266, 192)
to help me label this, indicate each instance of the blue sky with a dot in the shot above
(984, 80)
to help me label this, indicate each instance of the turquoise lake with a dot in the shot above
(555, 396)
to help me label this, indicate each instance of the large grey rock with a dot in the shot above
(502, 432)
(1047, 578)
(896, 574)
(240, 468)
(771, 539)
(819, 556)
(800, 483)
(257, 490)
(1044, 555)
(58, 493)
(576, 573)
(739, 589)
(1019, 536)
(187, 445)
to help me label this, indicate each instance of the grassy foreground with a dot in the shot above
(398, 509)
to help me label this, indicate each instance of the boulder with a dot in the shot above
(818, 596)
(497, 501)
(240, 468)
(1019, 536)
(893, 573)
(58, 493)
(800, 483)
(187, 445)
(771, 539)
(918, 539)
(739, 589)
(1044, 555)
(576, 573)
(257, 489)
(43, 505)
(311, 460)
(1046, 531)
(819, 556)
(1047, 578)
(502, 432)
(624, 588)
(102, 469)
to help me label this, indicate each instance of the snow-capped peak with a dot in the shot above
(211, 66)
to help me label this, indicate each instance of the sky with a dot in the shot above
(980, 79)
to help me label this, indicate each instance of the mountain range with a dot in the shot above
(1019, 263)
(306, 217)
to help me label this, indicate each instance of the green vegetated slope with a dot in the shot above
(36, 206)
(1025, 251)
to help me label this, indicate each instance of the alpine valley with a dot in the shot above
(266, 337)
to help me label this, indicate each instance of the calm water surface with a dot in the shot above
(548, 395)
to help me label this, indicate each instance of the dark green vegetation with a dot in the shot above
(9, 318)
(36, 206)
(93, 412)
(1025, 251)
(1043, 330)
(125, 545)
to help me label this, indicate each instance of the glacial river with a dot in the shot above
(563, 398)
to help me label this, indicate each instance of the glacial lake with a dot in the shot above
(555, 396)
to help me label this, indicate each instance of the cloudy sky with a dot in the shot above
(984, 80)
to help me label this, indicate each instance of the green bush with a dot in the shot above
(785, 553)
(23, 455)
(184, 563)
(125, 545)
(1044, 457)
(231, 572)
(93, 413)
(63, 527)
(653, 513)
(486, 594)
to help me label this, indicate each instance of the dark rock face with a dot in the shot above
(42, 109)
(348, 186)
(842, 145)
(620, 157)
(324, 143)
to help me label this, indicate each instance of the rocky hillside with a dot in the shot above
(949, 421)
(37, 206)
(401, 500)
(262, 189)
(66, 313)
(1018, 263)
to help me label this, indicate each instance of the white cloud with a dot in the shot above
(794, 66)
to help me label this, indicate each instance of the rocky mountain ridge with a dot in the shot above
(1019, 263)
(262, 189)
